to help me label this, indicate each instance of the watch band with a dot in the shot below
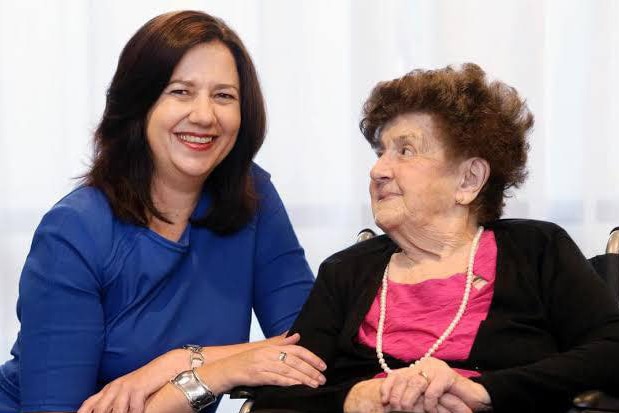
(196, 359)
(195, 390)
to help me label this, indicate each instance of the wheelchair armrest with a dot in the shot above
(597, 400)
(242, 392)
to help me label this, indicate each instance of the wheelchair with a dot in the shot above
(594, 401)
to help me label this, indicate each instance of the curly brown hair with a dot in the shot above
(477, 117)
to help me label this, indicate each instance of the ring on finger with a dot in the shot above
(282, 356)
(424, 375)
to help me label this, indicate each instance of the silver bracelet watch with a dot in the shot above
(197, 392)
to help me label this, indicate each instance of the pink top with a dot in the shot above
(417, 314)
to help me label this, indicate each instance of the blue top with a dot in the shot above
(99, 298)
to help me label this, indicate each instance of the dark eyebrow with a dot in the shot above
(400, 139)
(419, 141)
(226, 86)
(403, 139)
(406, 138)
(189, 83)
(182, 82)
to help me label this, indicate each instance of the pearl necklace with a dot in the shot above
(452, 325)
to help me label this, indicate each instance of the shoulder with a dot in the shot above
(82, 218)
(358, 267)
(85, 205)
(518, 224)
(85, 200)
(261, 178)
(361, 258)
(526, 230)
(366, 250)
(534, 241)
(269, 201)
(76, 233)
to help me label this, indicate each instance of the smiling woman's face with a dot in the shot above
(413, 182)
(193, 125)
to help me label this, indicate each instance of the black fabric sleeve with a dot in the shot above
(320, 325)
(584, 318)
(325, 399)
(321, 320)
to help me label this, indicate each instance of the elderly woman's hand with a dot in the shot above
(365, 397)
(430, 378)
(471, 393)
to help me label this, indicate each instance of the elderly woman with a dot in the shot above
(453, 309)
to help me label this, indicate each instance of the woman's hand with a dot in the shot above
(281, 365)
(250, 367)
(365, 397)
(128, 393)
(429, 379)
(471, 393)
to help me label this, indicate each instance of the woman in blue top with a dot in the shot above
(173, 239)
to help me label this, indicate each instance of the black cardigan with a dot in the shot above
(552, 330)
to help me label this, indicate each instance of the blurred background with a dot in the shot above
(318, 61)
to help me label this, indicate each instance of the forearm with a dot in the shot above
(555, 379)
(215, 353)
(257, 367)
(168, 399)
(176, 361)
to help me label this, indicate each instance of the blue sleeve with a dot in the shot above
(283, 278)
(62, 322)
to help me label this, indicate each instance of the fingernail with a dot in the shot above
(323, 366)
(314, 384)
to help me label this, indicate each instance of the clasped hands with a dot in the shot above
(430, 386)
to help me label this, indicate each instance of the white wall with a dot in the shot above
(318, 61)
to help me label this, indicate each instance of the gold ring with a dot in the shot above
(283, 355)
(424, 375)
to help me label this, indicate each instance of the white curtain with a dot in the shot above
(317, 61)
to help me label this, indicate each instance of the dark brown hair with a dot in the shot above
(476, 117)
(123, 166)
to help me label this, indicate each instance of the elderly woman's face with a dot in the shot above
(413, 181)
